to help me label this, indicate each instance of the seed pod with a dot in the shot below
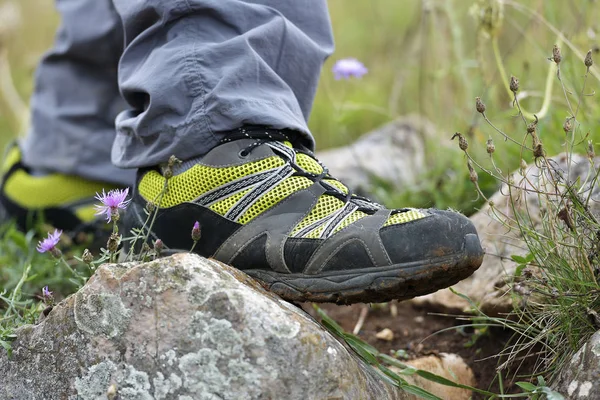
(590, 150)
(472, 173)
(113, 242)
(588, 59)
(462, 142)
(538, 149)
(158, 246)
(490, 147)
(556, 55)
(479, 105)
(568, 126)
(87, 257)
(150, 206)
(514, 84)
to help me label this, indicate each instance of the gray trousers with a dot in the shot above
(171, 76)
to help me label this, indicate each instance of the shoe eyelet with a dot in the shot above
(243, 153)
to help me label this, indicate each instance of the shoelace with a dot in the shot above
(265, 135)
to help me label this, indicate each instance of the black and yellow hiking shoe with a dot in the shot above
(63, 201)
(272, 210)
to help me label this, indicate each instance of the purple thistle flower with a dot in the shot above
(196, 231)
(46, 293)
(348, 67)
(49, 244)
(111, 203)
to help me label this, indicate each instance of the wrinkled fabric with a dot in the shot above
(174, 75)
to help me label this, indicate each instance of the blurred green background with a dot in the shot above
(425, 57)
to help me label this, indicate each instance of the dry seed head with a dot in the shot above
(87, 257)
(113, 242)
(568, 125)
(514, 84)
(588, 59)
(472, 173)
(590, 150)
(538, 149)
(531, 127)
(150, 206)
(479, 105)
(158, 246)
(462, 142)
(556, 55)
(490, 147)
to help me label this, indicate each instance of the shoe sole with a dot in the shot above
(374, 285)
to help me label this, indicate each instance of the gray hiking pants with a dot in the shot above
(174, 75)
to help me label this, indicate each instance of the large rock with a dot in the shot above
(580, 378)
(393, 153)
(488, 285)
(183, 328)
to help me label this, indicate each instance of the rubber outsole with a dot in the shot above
(377, 285)
(374, 285)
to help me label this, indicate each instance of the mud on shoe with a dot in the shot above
(270, 209)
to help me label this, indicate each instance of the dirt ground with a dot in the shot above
(419, 332)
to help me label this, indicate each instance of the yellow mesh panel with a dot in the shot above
(308, 163)
(326, 205)
(279, 192)
(355, 216)
(222, 206)
(86, 213)
(12, 157)
(337, 184)
(38, 192)
(404, 217)
(198, 180)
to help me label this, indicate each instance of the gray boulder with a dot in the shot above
(183, 328)
(580, 379)
(393, 153)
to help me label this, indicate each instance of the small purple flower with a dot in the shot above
(111, 203)
(349, 67)
(49, 244)
(46, 293)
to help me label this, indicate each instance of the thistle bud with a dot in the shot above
(472, 173)
(538, 149)
(588, 59)
(479, 105)
(87, 257)
(462, 142)
(568, 125)
(56, 253)
(490, 147)
(113, 242)
(514, 84)
(590, 150)
(150, 206)
(196, 232)
(158, 246)
(556, 55)
(531, 127)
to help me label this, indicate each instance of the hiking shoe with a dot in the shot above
(63, 201)
(272, 210)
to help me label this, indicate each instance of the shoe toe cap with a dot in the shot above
(441, 233)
